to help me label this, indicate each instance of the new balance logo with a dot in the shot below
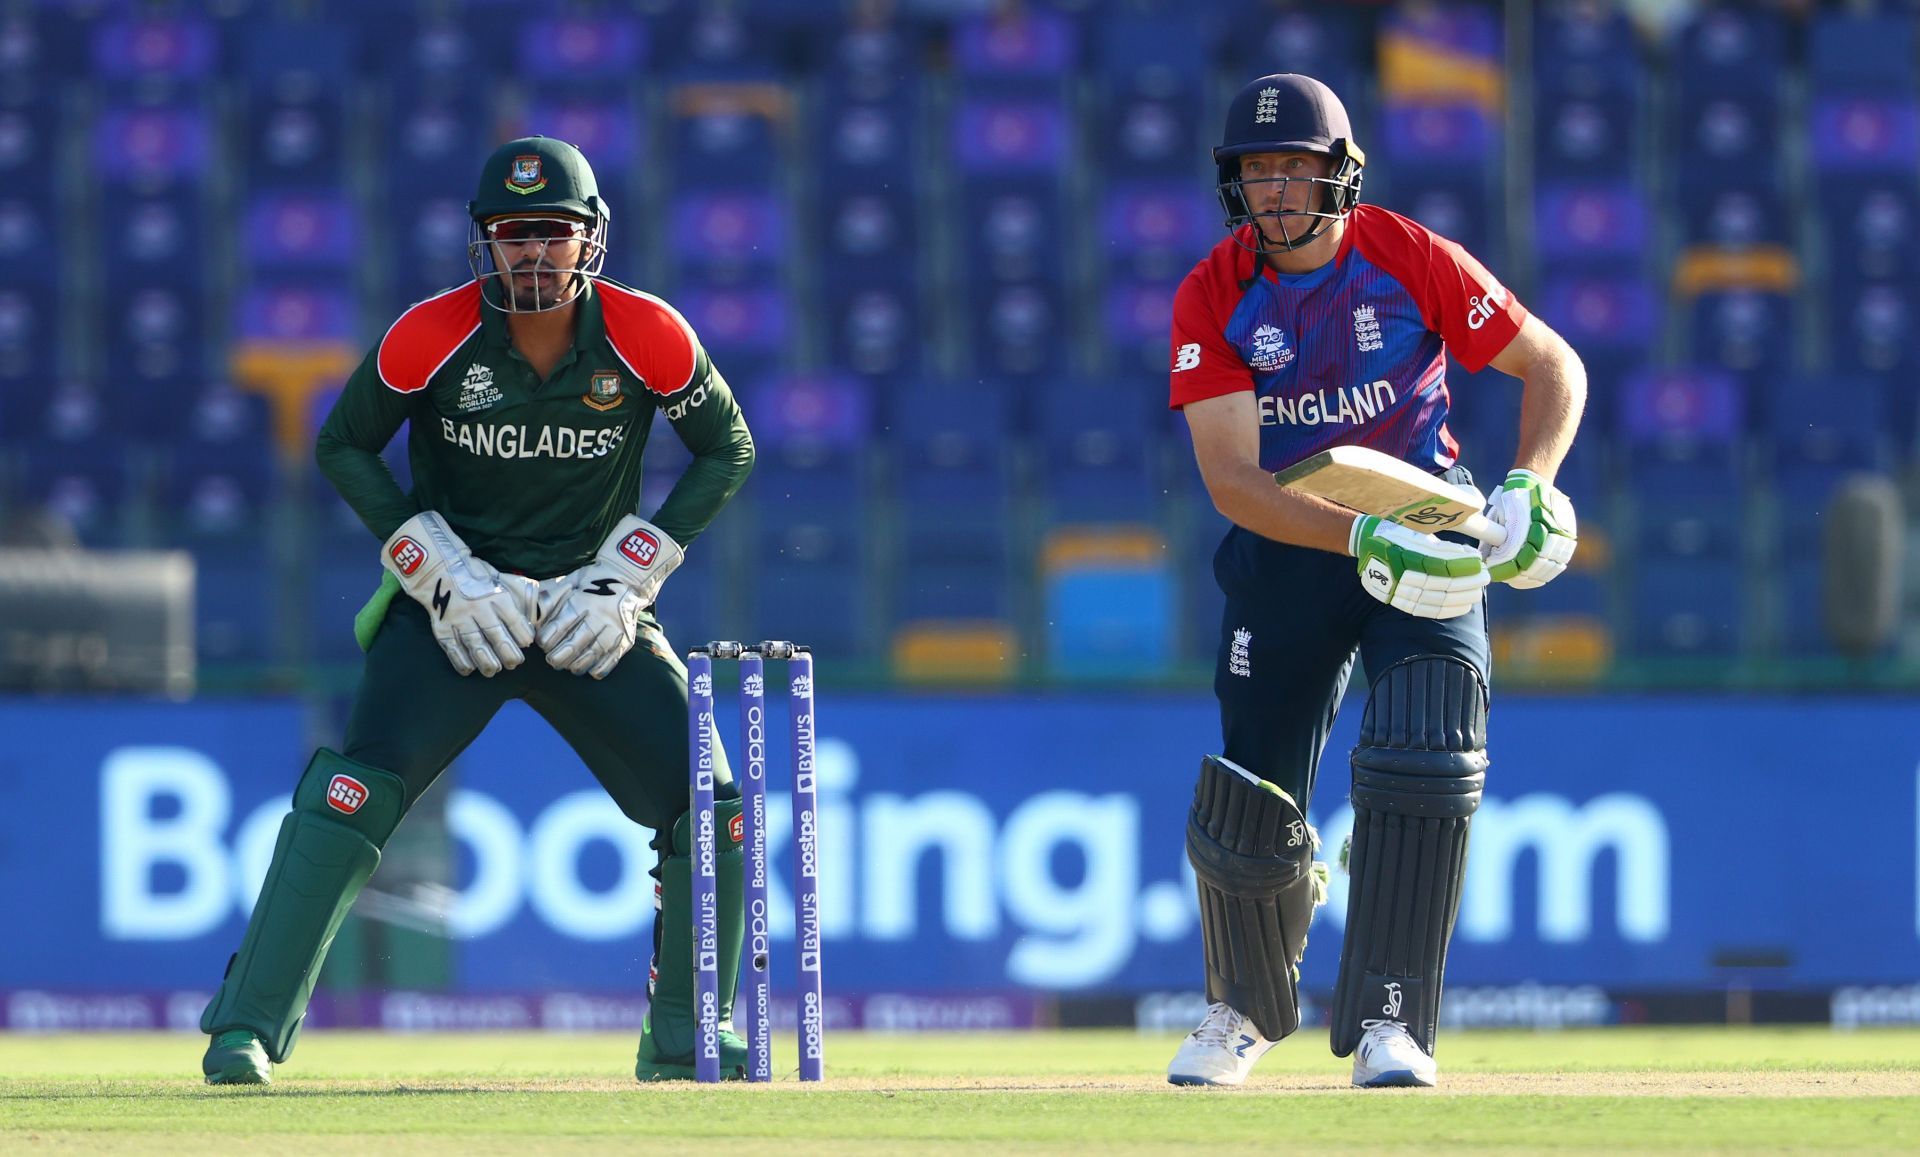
(1186, 357)
(1246, 1042)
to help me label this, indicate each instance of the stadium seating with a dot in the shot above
(934, 247)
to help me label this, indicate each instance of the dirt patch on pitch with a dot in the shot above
(1850, 1083)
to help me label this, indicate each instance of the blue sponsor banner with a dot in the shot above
(998, 843)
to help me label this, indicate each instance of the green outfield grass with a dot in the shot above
(1641, 1090)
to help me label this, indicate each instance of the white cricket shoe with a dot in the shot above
(1220, 1052)
(1389, 1057)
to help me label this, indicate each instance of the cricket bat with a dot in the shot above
(1375, 483)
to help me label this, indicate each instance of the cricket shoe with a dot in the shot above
(1220, 1052)
(236, 1058)
(651, 1064)
(1389, 1057)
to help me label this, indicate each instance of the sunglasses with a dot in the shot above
(535, 229)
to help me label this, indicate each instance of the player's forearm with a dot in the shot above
(364, 481)
(1554, 394)
(1247, 496)
(710, 481)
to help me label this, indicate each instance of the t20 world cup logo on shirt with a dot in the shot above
(1270, 349)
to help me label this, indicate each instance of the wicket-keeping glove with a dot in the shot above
(1417, 573)
(589, 621)
(1541, 533)
(480, 616)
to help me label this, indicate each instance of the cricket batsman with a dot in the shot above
(1323, 322)
(518, 568)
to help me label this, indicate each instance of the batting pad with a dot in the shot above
(1417, 776)
(1252, 853)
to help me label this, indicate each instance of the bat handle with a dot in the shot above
(1485, 529)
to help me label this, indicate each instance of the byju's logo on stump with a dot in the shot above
(525, 176)
(346, 794)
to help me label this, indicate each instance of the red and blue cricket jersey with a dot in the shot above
(1351, 354)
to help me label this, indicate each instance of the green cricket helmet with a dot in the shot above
(533, 192)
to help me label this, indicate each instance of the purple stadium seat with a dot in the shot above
(576, 48)
(296, 314)
(302, 232)
(1010, 136)
(1866, 134)
(1596, 223)
(1035, 45)
(152, 145)
(156, 47)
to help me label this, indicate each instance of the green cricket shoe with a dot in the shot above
(653, 1065)
(236, 1058)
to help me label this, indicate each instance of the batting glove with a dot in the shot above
(589, 621)
(1416, 573)
(479, 616)
(1541, 532)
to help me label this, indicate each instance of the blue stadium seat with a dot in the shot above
(1750, 332)
(428, 253)
(1873, 231)
(1020, 331)
(1736, 218)
(1585, 50)
(1010, 231)
(1686, 608)
(1585, 136)
(1607, 318)
(1328, 41)
(1156, 229)
(1861, 52)
(1095, 449)
(1602, 225)
(869, 238)
(1138, 317)
(875, 331)
(730, 238)
(85, 481)
(1728, 141)
(157, 239)
(746, 330)
(1730, 49)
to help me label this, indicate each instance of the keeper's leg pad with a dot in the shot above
(670, 980)
(343, 814)
(1417, 775)
(1252, 853)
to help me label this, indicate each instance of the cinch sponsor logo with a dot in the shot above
(1480, 310)
(408, 555)
(640, 548)
(346, 794)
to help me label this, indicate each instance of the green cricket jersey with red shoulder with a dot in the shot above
(534, 474)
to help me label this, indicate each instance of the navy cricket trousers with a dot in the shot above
(1295, 620)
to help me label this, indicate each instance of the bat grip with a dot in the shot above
(1485, 529)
